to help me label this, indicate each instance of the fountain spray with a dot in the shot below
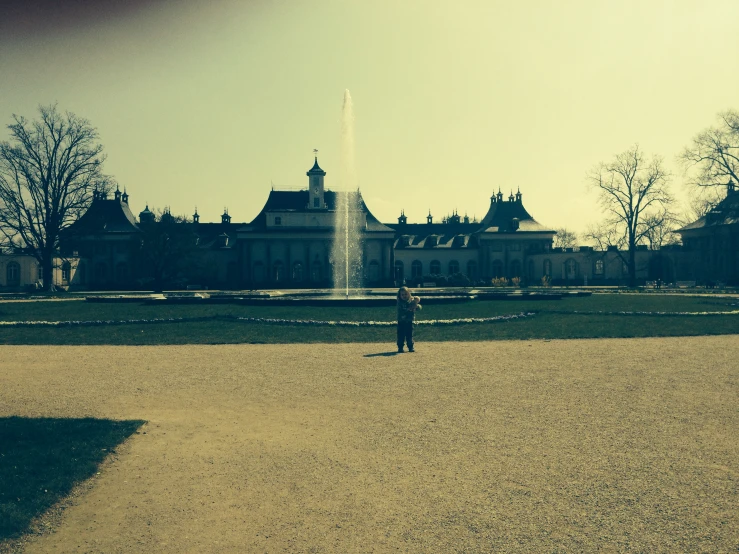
(347, 248)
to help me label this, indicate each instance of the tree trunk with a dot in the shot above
(47, 269)
(632, 265)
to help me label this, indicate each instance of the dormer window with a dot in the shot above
(278, 220)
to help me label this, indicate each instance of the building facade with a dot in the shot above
(289, 245)
(711, 244)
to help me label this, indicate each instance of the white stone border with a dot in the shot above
(733, 312)
(268, 321)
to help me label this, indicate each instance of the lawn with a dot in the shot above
(41, 459)
(595, 316)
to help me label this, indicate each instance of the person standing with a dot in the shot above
(407, 306)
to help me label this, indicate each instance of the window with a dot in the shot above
(570, 269)
(39, 273)
(453, 267)
(515, 268)
(81, 274)
(13, 274)
(278, 220)
(315, 202)
(374, 271)
(416, 269)
(514, 246)
(472, 269)
(232, 273)
(599, 266)
(315, 271)
(101, 273)
(258, 272)
(121, 273)
(496, 247)
(66, 271)
(399, 272)
(297, 272)
(548, 268)
(278, 272)
(530, 271)
(497, 268)
(435, 267)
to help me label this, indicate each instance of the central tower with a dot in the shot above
(315, 187)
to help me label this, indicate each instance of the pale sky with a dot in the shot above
(207, 103)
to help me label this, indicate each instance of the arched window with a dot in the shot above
(453, 267)
(548, 268)
(435, 267)
(81, 274)
(315, 271)
(570, 269)
(373, 274)
(66, 272)
(416, 269)
(257, 272)
(515, 268)
(497, 268)
(13, 274)
(399, 272)
(121, 273)
(101, 273)
(472, 269)
(232, 273)
(599, 267)
(297, 272)
(278, 272)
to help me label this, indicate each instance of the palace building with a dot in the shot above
(289, 245)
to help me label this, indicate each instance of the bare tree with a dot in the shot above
(605, 235)
(631, 188)
(48, 172)
(658, 228)
(565, 238)
(701, 203)
(712, 160)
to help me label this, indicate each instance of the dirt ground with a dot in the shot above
(523, 446)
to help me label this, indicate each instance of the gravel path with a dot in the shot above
(523, 446)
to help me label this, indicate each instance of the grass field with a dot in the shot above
(587, 317)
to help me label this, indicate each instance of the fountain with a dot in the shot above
(350, 219)
(346, 252)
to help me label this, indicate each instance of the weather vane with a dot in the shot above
(315, 152)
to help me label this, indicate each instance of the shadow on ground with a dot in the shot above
(42, 459)
(393, 353)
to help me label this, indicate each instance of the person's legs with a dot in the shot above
(401, 336)
(409, 336)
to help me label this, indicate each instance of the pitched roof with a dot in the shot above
(501, 213)
(210, 235)
(105, 216)
(297, 201)
(726, 212)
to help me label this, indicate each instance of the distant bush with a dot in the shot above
(459, 280)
